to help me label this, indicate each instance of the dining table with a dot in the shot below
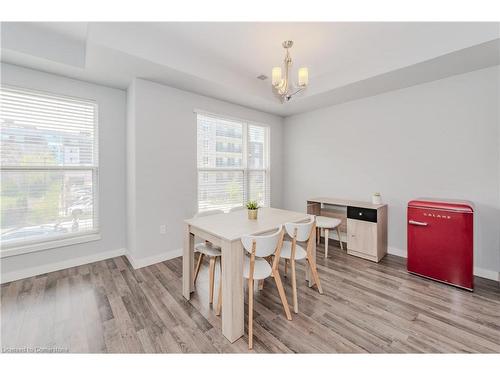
(225, 230)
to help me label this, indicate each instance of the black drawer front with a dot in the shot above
(365, 214)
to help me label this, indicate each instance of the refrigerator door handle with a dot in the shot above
(420, 223)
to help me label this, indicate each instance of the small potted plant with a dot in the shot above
(252, 207)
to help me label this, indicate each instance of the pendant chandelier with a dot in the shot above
(282, 86)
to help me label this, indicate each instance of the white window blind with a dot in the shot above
(233, 163)
(49, 167)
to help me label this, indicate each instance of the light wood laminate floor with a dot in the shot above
(367, 307)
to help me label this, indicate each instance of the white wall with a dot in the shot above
(436, 139)
(162, 176)
(112, 210)
(439, 139)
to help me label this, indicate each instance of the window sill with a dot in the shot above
(13, 250)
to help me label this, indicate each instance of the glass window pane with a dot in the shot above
(219, 190)
(256, 147)
(45, 130)
(46, 204)
(258, 188)
(220, 143)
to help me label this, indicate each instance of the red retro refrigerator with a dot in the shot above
(441, 241)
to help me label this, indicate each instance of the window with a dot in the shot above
(233, 163)
(49, 168)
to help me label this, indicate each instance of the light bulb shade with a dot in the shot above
(276, 76)
(303, 77)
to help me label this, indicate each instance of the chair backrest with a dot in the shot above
(237, 208)
(208, 213)
(303, 229)
(264, 245)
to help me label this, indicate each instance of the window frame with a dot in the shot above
(244, 167)
(39, 244)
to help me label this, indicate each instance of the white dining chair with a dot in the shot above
(213, 252)
(291, 251)
(256, 267)
(327, 224)
(237, 208)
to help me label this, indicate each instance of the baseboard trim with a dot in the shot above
(57, 266)
(398, 252)
(147, 261)
(487, 274)
(480, 272)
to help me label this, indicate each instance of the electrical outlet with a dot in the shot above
(163, 229)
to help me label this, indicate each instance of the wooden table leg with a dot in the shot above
(309, 278)
(187, 263)
(232, 290)
(313, 208)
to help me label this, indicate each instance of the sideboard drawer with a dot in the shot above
(364, 214)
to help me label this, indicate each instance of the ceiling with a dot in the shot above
(346, 60)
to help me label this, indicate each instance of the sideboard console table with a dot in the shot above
(364, 224)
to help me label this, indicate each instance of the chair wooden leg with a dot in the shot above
(340, 239)
(261, 284)
(250, 313)
(327, 233)
(286, 266)
(294, 287)
(314, 272)
(211, 279)
(282, 294)
(318, 235)
(198, 265)
(219, 298)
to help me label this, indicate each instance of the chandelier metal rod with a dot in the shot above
(288, 62)
(281, 83)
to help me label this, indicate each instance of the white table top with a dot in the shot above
(234, 225)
